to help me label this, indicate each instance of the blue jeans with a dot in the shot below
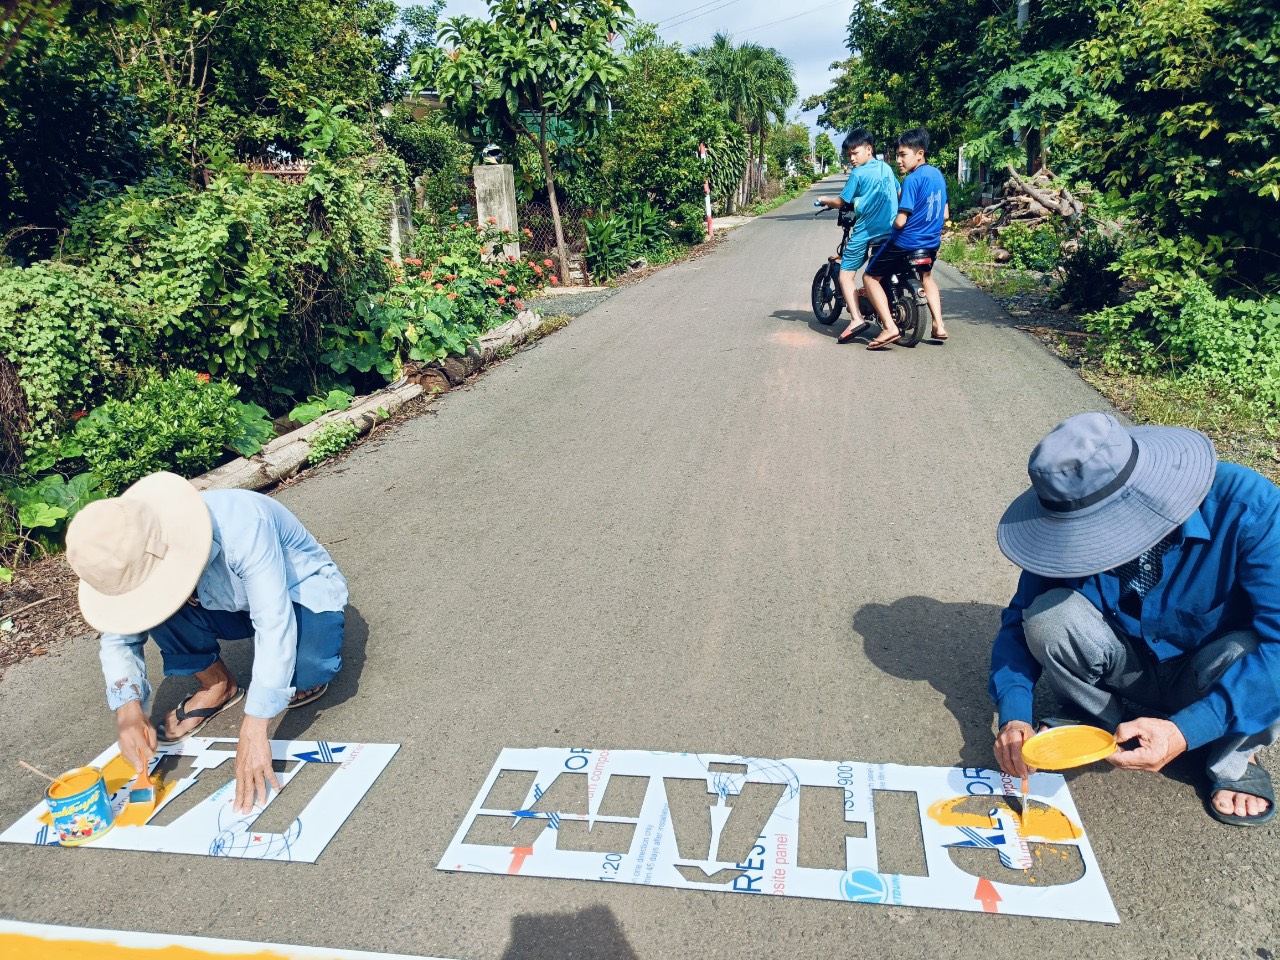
(188, 641)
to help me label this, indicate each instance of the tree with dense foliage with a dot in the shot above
(531, 63)
(913, 64)
(663, 108)
(824, 151)
(789, 149)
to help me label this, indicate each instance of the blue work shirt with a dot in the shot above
(1222, 573)
(872, 191)
(262, 561)
(924, 200)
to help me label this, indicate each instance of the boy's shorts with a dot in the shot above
(897, 259)
(856, 252)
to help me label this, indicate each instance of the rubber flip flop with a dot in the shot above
(302, 699)
(848, 337)
(1257, 783)
(883, 344)
(203, 714)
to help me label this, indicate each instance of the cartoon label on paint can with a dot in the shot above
(80, 807)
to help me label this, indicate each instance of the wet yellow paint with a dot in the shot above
(117, 773)
(1062, 748)
(14, 946)
(1042, 821)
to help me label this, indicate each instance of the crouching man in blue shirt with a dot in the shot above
(1151, 574)
(187, 569)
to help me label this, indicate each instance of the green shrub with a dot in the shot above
(608, 246)
(1228, 342)
(70, 336)
(646, 227)
(1091, 279)
(690, 221)
(1035, 248)
(184, 422)
(330, 440)
(247, 277)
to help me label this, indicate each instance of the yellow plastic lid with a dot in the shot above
(1061, 748)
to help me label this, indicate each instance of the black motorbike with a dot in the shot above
(905, 292)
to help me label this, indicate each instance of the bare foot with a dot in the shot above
(217, 685)
(1240, 804)
(939, 332)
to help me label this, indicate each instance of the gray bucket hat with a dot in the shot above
(1101, 494)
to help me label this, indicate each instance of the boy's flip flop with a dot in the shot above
(848, 337)
(310, 696)
(203, 714)
(1257, 783)
(878, 344)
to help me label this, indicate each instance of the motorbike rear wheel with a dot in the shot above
(908, 317)
(825, 297)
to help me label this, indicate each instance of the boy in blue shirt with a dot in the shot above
(922, 213)
(871, 191)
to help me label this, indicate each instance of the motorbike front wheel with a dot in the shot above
(826, 299)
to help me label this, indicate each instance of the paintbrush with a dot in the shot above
(142, 796)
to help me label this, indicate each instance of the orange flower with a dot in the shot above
(548, 263)
(511, 288)
(512, 258)
(453, 296)
(538, 271)
(79, 414)
(439, 286)
(503, 301)
(451, 276)
(425, 275)
(519, 304)
(493, 219)
(502, 273)
(202, 377)
(555, 281)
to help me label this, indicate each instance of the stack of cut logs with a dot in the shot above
(1027, 201)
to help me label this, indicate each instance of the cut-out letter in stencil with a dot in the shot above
(953, 838)
(210, 825)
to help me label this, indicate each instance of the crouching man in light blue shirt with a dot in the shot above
(188, 569)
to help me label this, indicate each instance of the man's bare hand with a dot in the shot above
(254, 775)
(136, 735)
(1009, 748)
(1159, 741)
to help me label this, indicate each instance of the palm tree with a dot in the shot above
(757, 84)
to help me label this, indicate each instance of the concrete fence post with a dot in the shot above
(496, 199)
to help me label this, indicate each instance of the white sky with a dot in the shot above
(810, 33)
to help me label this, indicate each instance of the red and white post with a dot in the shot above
(706, 188)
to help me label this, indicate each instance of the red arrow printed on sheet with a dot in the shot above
(518, 855)
(986, 893)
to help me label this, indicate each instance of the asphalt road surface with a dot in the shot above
(689, 521)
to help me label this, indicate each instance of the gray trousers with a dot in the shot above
(1091, 669)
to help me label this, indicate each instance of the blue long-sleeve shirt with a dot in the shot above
(1222, 573)
(262, 561)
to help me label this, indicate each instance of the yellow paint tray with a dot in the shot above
(1061, 748)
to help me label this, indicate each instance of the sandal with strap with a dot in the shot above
(308, 696)
(203, 714)
(1257, 783)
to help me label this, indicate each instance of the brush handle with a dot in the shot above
(37, 770)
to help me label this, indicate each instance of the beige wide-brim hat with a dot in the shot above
(140, 555)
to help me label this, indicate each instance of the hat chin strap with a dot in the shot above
(1117, 482)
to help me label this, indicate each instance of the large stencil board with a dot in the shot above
(873, 833)
(211, 826)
